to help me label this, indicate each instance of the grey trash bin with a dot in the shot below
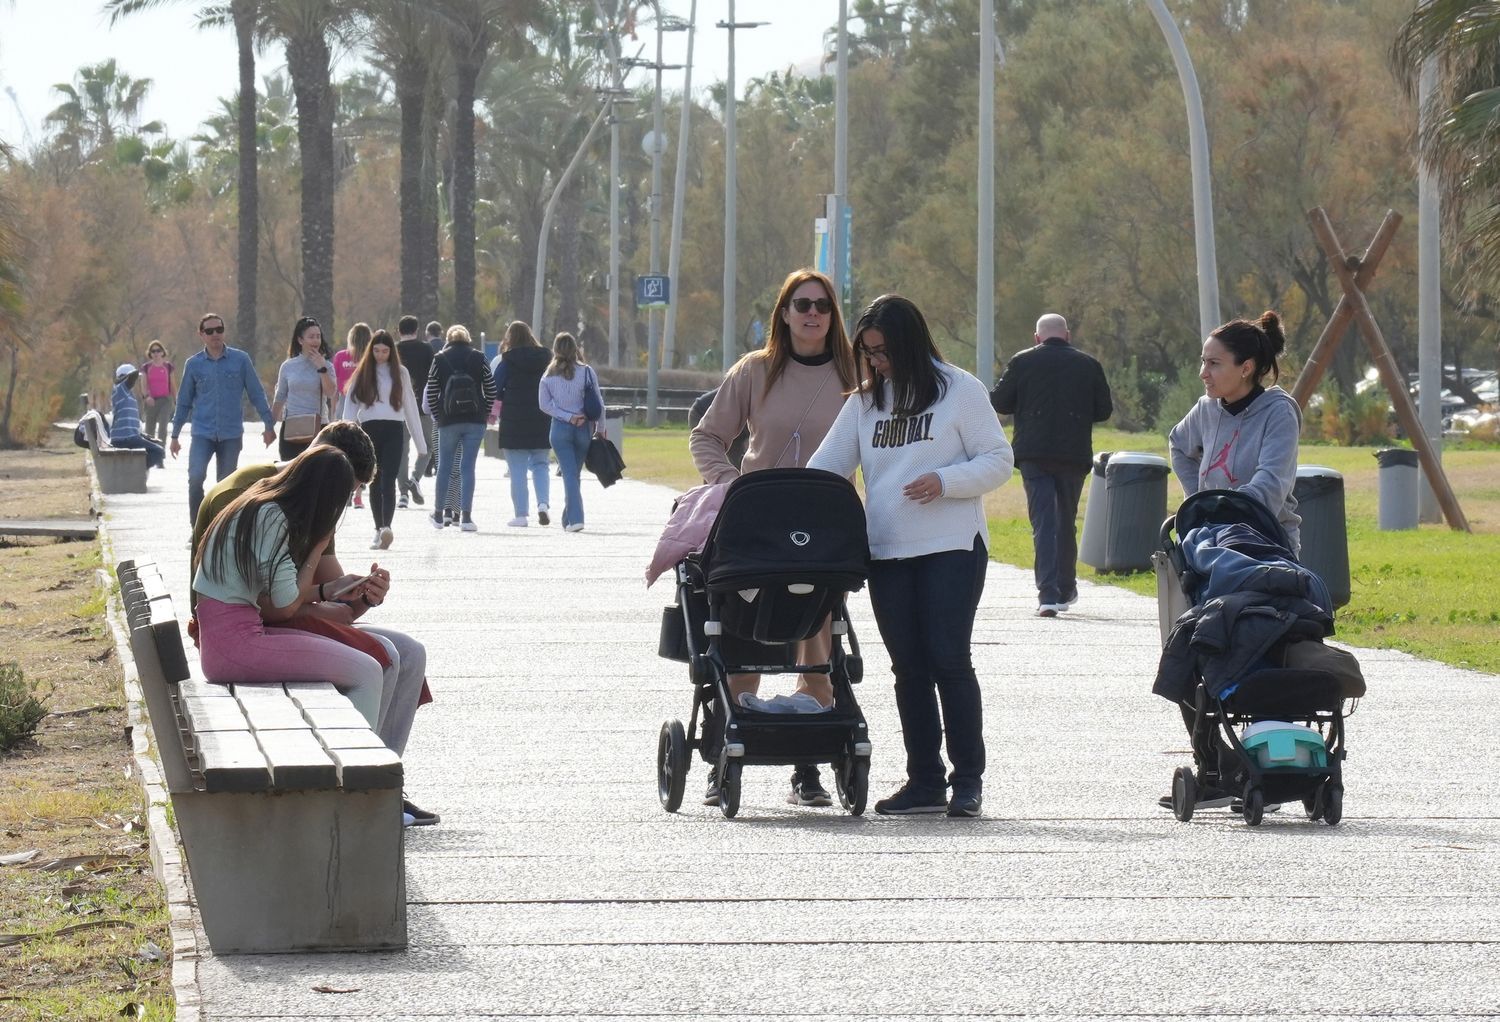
(1120, 535)
(1325, 536)
(1398, 488)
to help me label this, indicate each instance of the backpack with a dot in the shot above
(461, 397)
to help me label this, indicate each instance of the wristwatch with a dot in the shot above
(323, 369)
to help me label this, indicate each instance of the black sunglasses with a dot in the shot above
(213, 330)
(823, 305)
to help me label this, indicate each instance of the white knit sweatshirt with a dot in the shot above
(959, 438)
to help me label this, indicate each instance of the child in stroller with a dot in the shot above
(787, 547)
(1247, 652)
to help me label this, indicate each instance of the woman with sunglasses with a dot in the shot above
(930, 447)
(787, 395)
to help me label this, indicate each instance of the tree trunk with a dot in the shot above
(463, 195)
(429, 229)
(10, 395)
(307, 59)
(411, 92)
(247, 267)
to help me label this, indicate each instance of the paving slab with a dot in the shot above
(556, 887)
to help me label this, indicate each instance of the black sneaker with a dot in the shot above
(807, 788)
(437, 521)
(419, 817)
(711, 796)
(966, 802)
(910, 801)
(415, 489)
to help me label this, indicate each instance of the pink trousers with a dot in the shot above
(236, 646)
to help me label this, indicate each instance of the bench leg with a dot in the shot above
(296, 871)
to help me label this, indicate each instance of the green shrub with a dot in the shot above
(20, 710)
(1136, 396)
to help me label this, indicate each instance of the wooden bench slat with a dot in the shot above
(368, 769)
(335, 738)
(297, 760)
(205, 716)
(324, 717)
(232, 761)
(308, 694)
(274, 715)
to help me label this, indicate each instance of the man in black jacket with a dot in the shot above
(1056, 394)
(416, 356)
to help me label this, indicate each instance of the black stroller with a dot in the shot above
(1284, 600)
(787, 547)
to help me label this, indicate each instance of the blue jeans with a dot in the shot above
(1052, 506)
(226, 455)
(572, 445)
(925, 609)
(469, 435)
(521, 461)
(156, 455)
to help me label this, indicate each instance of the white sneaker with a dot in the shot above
(541, 515)
(469, 527)
(1049, 609)
(575, 527)
(385, 537)
(375, 543)
(518, 523)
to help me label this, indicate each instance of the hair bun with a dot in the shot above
(1270, 322)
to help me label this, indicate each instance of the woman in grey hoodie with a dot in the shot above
(1242, 435)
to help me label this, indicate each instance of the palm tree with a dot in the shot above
(101, 103)
(244, 15)
(308, 28)
(404, 37)
(474, 28)
(1459, 141)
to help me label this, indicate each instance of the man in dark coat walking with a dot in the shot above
(1056, 394)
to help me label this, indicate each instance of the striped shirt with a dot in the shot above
(126, 412)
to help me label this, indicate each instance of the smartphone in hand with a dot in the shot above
(341, 587)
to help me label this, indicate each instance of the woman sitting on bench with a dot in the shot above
(256, 567)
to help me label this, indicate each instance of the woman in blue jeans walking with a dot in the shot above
(930, 448)
(560, 395)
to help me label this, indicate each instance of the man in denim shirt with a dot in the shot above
(212, 382)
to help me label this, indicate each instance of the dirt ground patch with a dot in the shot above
(70, 792)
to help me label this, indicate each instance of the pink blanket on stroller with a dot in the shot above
(687, 529)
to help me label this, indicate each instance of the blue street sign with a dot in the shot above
(653, 291)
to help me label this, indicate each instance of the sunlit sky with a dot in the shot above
(43, 42)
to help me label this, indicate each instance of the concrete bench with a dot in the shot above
(289, 806)
(120, 469)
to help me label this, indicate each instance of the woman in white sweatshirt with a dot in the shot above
(930, 447)
(380, 399)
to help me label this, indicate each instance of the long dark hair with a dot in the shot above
(302, 326)
(916, 382)
(778, 350)
(1258, 342)
(311, 491)
(363, 387)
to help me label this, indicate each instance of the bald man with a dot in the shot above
(1056, 394)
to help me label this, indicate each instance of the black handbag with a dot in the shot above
(603, 459)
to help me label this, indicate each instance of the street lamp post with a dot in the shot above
(674, 259)
(612, 43)
(836, 240)
(984, 296)
(1429, 300)
(1203, 206)
(730, 213)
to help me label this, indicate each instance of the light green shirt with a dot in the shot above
(275, 574)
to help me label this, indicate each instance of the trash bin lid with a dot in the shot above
(1318, 472)
(1137, 458)
(1396, 456)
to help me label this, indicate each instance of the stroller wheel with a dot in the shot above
(1333, 804)
(1184, 793)
(1255, 806)
(672, 764)
(1312, 804)
(729, 787)
(852, 775)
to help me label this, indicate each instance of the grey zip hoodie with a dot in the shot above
(1254, 452)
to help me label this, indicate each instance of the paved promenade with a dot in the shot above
(556, 887)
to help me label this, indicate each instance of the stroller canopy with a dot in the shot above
(1229, 507)
(788, 524)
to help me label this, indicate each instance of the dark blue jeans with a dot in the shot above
(925, 609)
(1052, 506)
(156, 454)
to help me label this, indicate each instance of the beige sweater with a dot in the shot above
(786, 425)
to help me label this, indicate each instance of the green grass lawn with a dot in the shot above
(1430, 592)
